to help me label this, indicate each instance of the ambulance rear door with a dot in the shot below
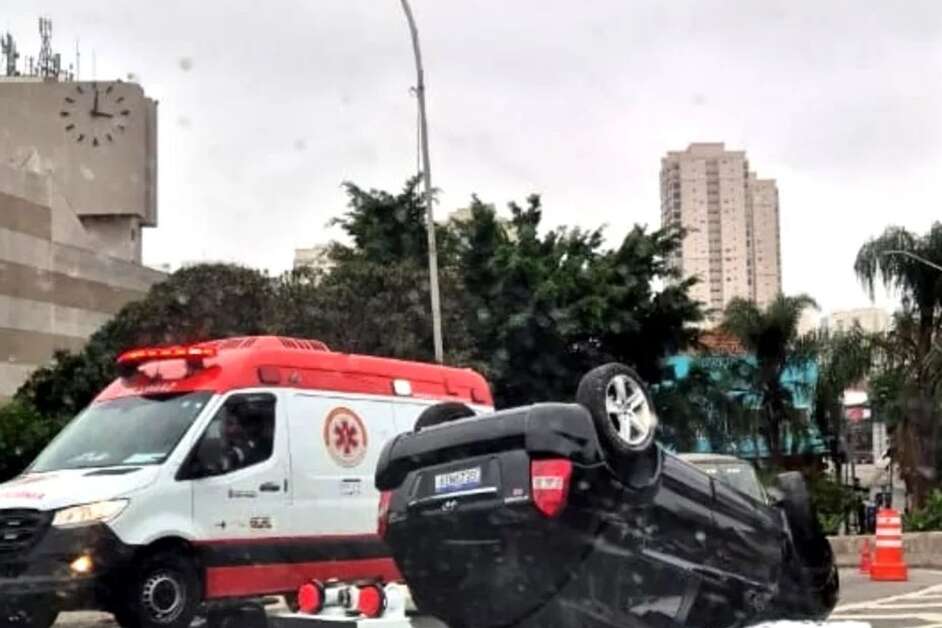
(335, 441)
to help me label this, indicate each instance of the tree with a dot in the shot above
(771, 335)
(386, 228)
(361, 306)
(533, 309)
(23, 433)
(702, 405)
(194, 304)
(545, 308)
(912, 350)
(844, 359)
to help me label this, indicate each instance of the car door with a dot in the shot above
(682, 519)
(335, 442)
(239, 470)
(749, 540)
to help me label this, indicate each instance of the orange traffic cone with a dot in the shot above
(864, 557)
(888, 563)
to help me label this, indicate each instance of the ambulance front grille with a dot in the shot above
(20, 529)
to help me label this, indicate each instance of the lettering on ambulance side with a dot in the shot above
(351, 487)
(345, 437)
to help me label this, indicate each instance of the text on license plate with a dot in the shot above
(457, 480)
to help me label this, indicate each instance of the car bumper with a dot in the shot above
(47, 568)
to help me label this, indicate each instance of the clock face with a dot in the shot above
(95, 115)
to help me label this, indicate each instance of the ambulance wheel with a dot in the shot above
(28, 614)
(621, 408)
(442, 413)
(165, 593)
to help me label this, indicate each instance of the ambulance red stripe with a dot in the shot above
(252, 580)
(291, 550)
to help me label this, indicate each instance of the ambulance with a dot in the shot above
(225, 470)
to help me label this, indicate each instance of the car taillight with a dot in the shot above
(382, 517)
(550, 485)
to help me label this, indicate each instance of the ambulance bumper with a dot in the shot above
(78, 567)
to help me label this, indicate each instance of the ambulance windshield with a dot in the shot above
(131, 431)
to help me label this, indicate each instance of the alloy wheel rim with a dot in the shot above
(628, 410)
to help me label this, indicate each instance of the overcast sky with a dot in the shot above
(266, 107)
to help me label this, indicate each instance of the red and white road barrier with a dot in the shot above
(888, 562)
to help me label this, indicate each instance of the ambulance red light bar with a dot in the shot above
(194, 354)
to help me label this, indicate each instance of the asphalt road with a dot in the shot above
(913, 604)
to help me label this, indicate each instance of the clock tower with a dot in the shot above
(97, 142)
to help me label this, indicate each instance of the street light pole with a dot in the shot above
(427, 176)
(915, 257)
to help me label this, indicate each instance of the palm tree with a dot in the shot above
(844, 359)
(702, 406)
(908, 263)
(771, 335)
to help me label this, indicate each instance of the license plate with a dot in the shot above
(457, 480)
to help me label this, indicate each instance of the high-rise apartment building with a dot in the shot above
(732, 222)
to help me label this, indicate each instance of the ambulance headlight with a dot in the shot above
(97, 512)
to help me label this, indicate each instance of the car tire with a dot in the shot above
(164, 593)
(621, 408)
(29, 614)
(800, 512)
(442, 413)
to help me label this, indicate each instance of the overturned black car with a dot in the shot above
(565, 515)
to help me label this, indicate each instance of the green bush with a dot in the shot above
(832, 500)
(23, 434)
(927, 518)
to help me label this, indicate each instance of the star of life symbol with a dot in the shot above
(345, 437)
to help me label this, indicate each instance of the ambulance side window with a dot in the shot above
(241, 434)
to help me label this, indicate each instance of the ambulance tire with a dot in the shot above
(164, 593)
(442, 413)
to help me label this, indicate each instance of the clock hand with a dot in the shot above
(102, 114)
(95, 106)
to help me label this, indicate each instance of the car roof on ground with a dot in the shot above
(715, 458)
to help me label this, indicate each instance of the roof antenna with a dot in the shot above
(10, 55)
(49, 64)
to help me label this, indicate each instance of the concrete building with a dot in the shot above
(811, 321)
(732, 222)
(77, 185)
(871, 319)
(316, 257)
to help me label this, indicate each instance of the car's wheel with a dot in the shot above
(165, 593)
(28, 614)
(810, 582)
(801, 515)
(442, 413)
(621, 408)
